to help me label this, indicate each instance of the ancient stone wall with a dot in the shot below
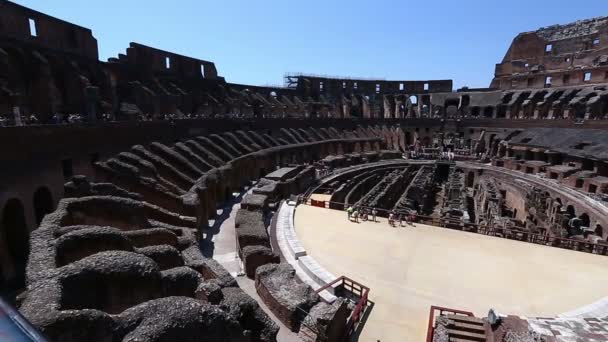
(192, 177)
(32, 27)
(559, 55)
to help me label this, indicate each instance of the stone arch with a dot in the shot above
(470, 179)
(43, 203)
(475, 111)
(558, 204)
(451, 111)
(599, 230)
(571, 211)
(331, 149)
(488, 112)
(14, 232)
(451, 107)
(408, 138)
(426, 141)
(465, 100)
(585, 220)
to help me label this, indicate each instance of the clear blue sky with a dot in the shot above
(256, 42)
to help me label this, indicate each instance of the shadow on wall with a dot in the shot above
(14, 247)
(207, 246)
(43, 203)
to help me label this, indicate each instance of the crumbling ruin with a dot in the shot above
(114, 169)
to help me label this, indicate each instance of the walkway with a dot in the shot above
(220, 244)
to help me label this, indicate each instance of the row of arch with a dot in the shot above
(555, 208)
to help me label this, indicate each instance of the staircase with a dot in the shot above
(465, 329)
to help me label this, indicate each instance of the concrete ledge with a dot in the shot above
(307, 269)
(285, 221)
(315, 270)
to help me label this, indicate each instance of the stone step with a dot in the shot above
(468, 336)
(455, 339)
(465, 319)
(475, 328)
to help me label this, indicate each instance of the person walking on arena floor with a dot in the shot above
(356, 216)
(391, 219)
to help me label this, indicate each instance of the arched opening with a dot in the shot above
(599, 230)
(451, 107)
(465, 100)
(13, 230)
(501, 112)
(475, 111)
(451, 111)
(43, 203)
(426, 141)
(408, 138)
(488, 112)
(585, 221)
(470, 179)
(570, 211)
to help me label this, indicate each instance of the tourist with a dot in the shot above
(32, 120)
(56, 120)
(356, 216)
(412, 218)
(349, 212)
(401, 217)
(374, 213)
(363, 214)
(391, 219)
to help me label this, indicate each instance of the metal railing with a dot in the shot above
(508, 233)
(437, 311)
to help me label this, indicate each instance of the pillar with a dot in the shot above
(91, 95)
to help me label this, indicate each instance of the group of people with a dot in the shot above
(394, 217)
(355, 214)
(6, 121)
(61, 119)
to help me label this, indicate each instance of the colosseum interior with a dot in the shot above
(177, 206)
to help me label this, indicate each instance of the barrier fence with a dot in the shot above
(346, 287)
(600, 248)
(437, 311)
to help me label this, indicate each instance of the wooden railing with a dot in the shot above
(346, 287)
(437, 311)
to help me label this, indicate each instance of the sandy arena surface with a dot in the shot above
(411, 268)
